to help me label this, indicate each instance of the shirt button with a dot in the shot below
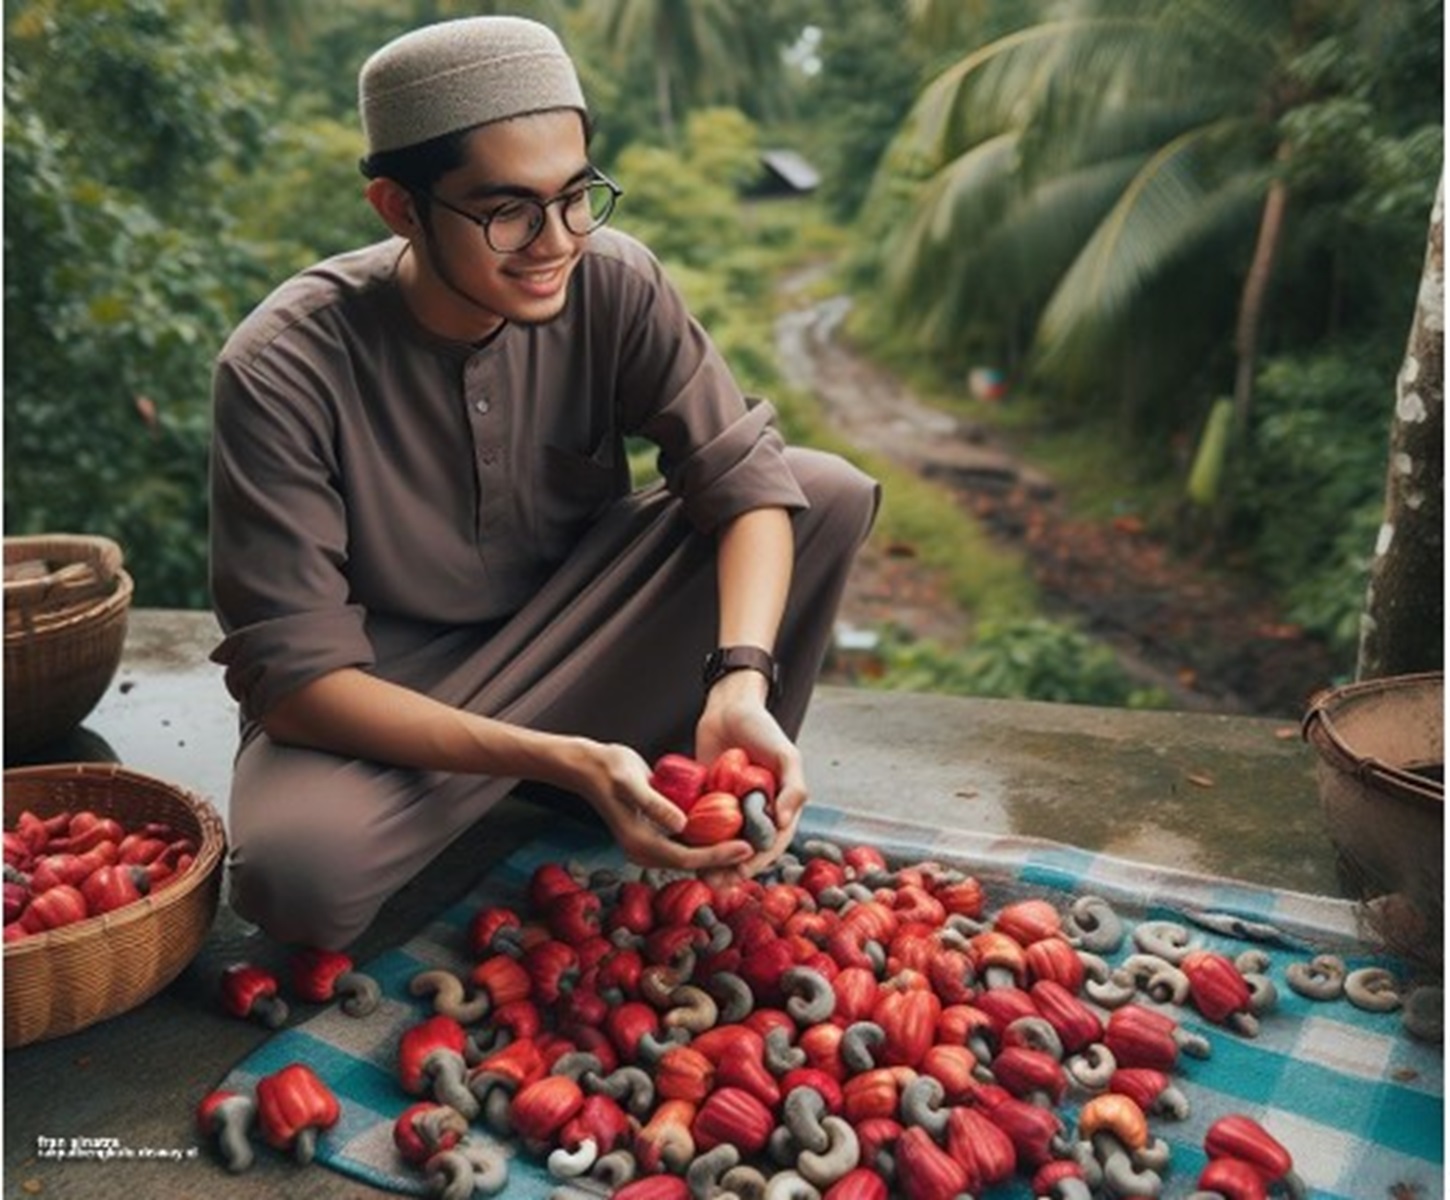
(481, 405)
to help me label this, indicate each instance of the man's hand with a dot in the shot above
(615, 781)
(735, 715)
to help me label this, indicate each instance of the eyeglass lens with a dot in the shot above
(517, 224)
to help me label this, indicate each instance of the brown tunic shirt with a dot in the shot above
(369, 475)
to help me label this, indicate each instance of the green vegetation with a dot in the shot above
(167, 162)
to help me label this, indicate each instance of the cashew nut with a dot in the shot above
(564, 1163)
(921, 1104)
(802, 1112)
(1374, 989)
(857, 1042)
(1092, 1067)
(841, 1154)
(703, 1174)
(1157, 977)
(790, 1185)
(1167, 939)
(695, 1010)
(736, 1001)
(760, 830)
(447, 991)
(811, 1000)
(1092, 924)
(1321, 978)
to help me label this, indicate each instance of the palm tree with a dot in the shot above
(699, 50)
(1101, 178)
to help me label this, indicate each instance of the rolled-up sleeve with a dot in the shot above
(278, 541)
(720, 452)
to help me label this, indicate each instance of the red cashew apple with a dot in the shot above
(294, 1107)
(250, 992)
(322, 976)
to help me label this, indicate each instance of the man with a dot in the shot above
(432, 575)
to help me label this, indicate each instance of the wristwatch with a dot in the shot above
(724, 659)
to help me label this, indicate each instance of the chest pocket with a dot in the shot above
(575, 489)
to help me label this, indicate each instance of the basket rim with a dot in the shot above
(208, 857)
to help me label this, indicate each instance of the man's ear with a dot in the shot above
(394, 204)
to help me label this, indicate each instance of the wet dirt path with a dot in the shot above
(1208, 639)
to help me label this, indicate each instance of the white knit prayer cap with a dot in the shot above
(457, 74)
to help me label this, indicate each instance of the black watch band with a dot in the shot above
(721, 661)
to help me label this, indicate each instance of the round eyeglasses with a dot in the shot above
(514, 225)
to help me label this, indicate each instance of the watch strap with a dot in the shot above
(725, 659)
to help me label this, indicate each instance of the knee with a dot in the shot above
(299, 891)
(843, 499)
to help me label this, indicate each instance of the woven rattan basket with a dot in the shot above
(66, 602)
(65, 979)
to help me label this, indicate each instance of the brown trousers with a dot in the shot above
(610, 649)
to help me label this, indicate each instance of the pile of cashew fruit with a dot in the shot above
(837, 1029)
(64, 868)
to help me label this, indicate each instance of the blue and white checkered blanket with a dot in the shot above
(1357, 1102)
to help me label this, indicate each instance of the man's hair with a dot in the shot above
(420, 166)
(417, 168)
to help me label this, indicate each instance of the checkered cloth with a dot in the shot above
(1357, 1102)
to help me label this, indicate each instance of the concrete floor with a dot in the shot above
(1224, 795)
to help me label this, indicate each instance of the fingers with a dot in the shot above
(659, 809)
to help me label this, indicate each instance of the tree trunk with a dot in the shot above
(1402, 627)
(1251, 302)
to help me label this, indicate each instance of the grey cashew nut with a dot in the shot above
(468, 1168)
(821, 848)
(1167, 939)
(841, 1155)
(1374, 989)
(967, 926)
(657, 981)
(651, 1046)
(743, 1182)
(1195, 1045)
(447, 1074)
(922, 1104)
(1321, 978)
(493, 1095)
(1115, 991)
(564, 1163)
(448, 994)
(1424, 1013)
(801, 1114)
(833, 897)
(810, 998)
(782, 1146)
(703, 1174)
(1171, 1102)
(790, 1185)
(1157, 977)
(1155, 1156)
(1036, 1033)
(1252, 962)
(694, 1009)
(614, 1169)
(360, 993)
(760, 829)
(1263, 995)
(576, 1064)
(631, 1087)
(780, 1056)
(733, 995)
(1123, 1179)
(1092, 1067)
(1092, 924)
(230, 1122)
(857, 1043)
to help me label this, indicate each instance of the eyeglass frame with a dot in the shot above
(595, 176)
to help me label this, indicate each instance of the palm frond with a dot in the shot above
(1165, 211)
